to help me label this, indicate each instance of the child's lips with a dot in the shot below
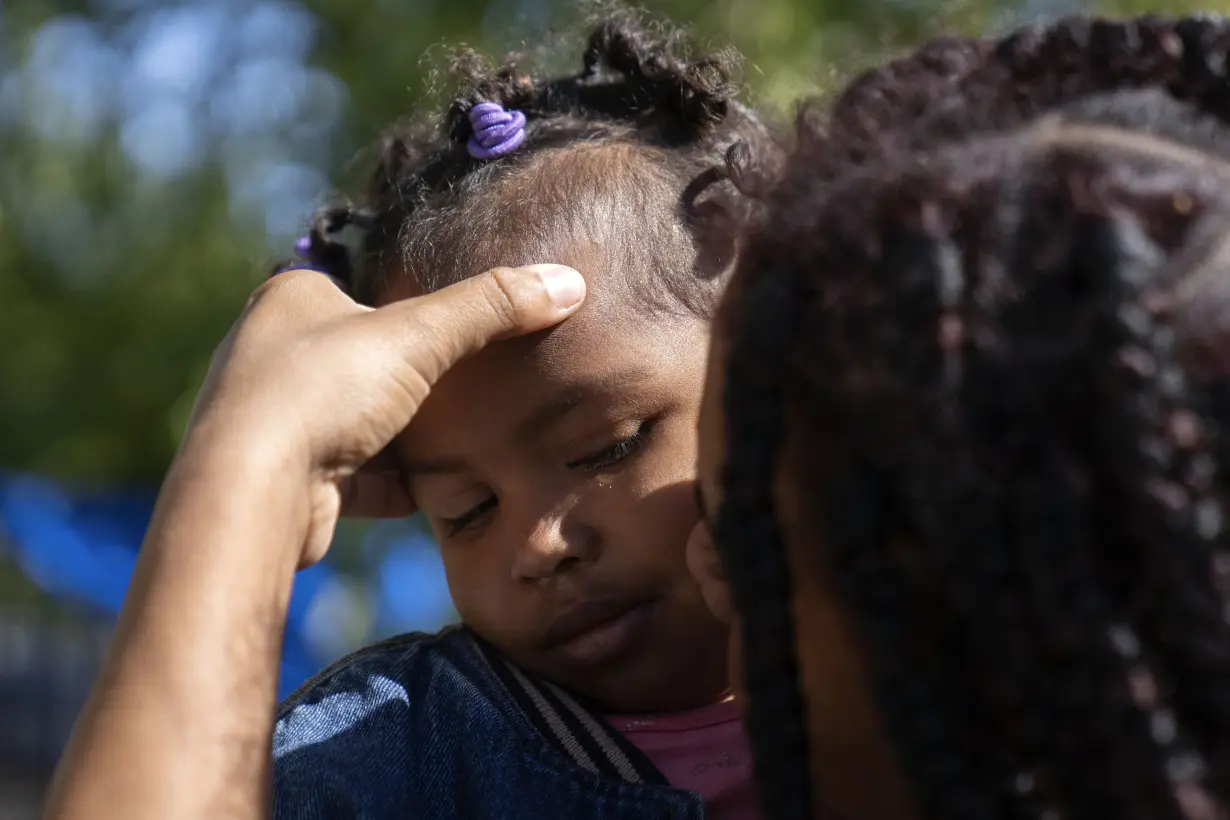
(594, 632)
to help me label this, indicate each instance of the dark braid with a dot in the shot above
(1023, 493)
(925, 698)
(953, 88)
(1076, 304)
(639, 88)
(959, 771)
(775, 714)
(872, 110)
(1165, 489)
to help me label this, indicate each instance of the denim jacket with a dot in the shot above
(441, 727)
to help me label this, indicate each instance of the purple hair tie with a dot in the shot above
(496, 131)
(303, 249)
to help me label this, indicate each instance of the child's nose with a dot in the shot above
(555, 544)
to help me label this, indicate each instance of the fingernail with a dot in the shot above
(565, 286)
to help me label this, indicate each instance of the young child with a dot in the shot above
(965, 435)
(557, 470)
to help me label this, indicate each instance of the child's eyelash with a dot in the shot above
(456, 525)
(607, 457)
(615, 453)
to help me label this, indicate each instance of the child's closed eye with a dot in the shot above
(615, 453)
(605, 458)
(455, 526)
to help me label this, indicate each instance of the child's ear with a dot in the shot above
(712, 211)
(706, 568)
(717, 239)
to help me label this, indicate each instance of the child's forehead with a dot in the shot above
(607, 321)
(607, 274)
(609, 209)
(603, 361)
(610, 331)
(616, 241)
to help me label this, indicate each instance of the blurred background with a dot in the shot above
(157, 157)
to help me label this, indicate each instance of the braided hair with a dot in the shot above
(690, 146)
(991, 297)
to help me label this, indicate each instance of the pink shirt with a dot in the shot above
(705, 751)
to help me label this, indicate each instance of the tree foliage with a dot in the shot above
(158, 155)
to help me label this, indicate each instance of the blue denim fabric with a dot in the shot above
(420, 727)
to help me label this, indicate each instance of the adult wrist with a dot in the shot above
(246, 471)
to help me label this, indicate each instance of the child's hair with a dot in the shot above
(439, 212)
(1008, 304)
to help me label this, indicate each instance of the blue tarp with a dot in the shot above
(80, 546)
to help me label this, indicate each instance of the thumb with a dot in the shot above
(441, 328)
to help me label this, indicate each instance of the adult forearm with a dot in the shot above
(179, 723)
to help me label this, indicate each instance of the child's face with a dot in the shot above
(557, 473)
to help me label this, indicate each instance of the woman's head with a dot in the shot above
(964, 437)
(556, 470)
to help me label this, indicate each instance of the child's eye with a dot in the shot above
(455, 526)
(614, 454)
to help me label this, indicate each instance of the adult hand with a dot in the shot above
(330, 382)
(306, 389)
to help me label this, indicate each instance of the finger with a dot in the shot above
(300, 292)
(375, 495)
(299, 266)
(309, 273)
(440, 329)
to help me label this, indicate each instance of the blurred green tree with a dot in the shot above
(156, 155)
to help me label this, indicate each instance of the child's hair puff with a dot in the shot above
(689, 148)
